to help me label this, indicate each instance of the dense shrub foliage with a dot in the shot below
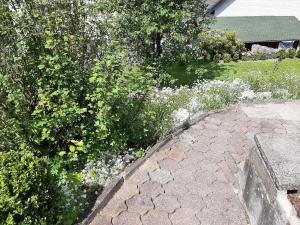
(280, 54)
(298, 53)
(28, 191)
(67, 93)
(217, 45)
(56, 87)
(162, 29)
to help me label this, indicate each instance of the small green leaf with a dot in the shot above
(61, 153)
(41, 66)
(79, 148)
(72, 148)
(80, 143)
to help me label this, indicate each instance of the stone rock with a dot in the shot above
(281, 155)
(262, 49)
(271, 170)
(161, 176)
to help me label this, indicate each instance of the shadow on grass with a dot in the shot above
(187, 74)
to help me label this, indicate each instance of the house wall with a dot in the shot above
(258, 8)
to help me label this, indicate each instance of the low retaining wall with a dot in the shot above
(268, 176)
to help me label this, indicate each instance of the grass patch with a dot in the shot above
(188, 74)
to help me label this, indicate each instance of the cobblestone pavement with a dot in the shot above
(193, 179)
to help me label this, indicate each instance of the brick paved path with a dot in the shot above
(193, 180)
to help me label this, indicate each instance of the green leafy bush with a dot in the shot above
(255, 56)
(217, 58)
(220, 43)
(160, 30)
(282, 54)
(263, 56)
(66, 93)
(56, 87)
(298, 54)
(291, 53)
(275, 55)
(28, 191)
(227, 58)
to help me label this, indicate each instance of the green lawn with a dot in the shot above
(188, 74)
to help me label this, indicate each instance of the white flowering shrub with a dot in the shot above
(176, 105)
(180, 116)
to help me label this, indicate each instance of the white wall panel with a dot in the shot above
(259, 8)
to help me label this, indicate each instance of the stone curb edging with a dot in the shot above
(116, 184)
(103, 199)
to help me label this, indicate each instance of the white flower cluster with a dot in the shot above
(180, 116)
(102, 171)
(204, 95)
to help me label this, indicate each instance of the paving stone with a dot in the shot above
(203, 140)
(216, 199)
(192, 202)
(199, 148)
(238, 158)
(231, 163)
(176, 155)
(161, 176)
(185, 174)
(182, 145)
(127, 191)
(209, 134)
(127, 218)
(101, 220)
(139, 177)
(151, 189)
(156, 217)
(223, 134)
(211, 126)
(226, 189)
(149, 166)
(291, 128)
(214, 157)
(169, 165)
(280, 130)
(175, 188)
(196, 155)
(195, 131)
(201, 189)
(260, 112)
(219, 174)
(213, 119)
(219, 147)
(213, 217)
(184, 217)
(160, 155)
(227, 126)
(166, 203)
(140, 204)
(114, 207)
(205, 176)
(207, 165)
(185, 138)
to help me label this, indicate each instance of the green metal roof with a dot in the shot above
(261, 28)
